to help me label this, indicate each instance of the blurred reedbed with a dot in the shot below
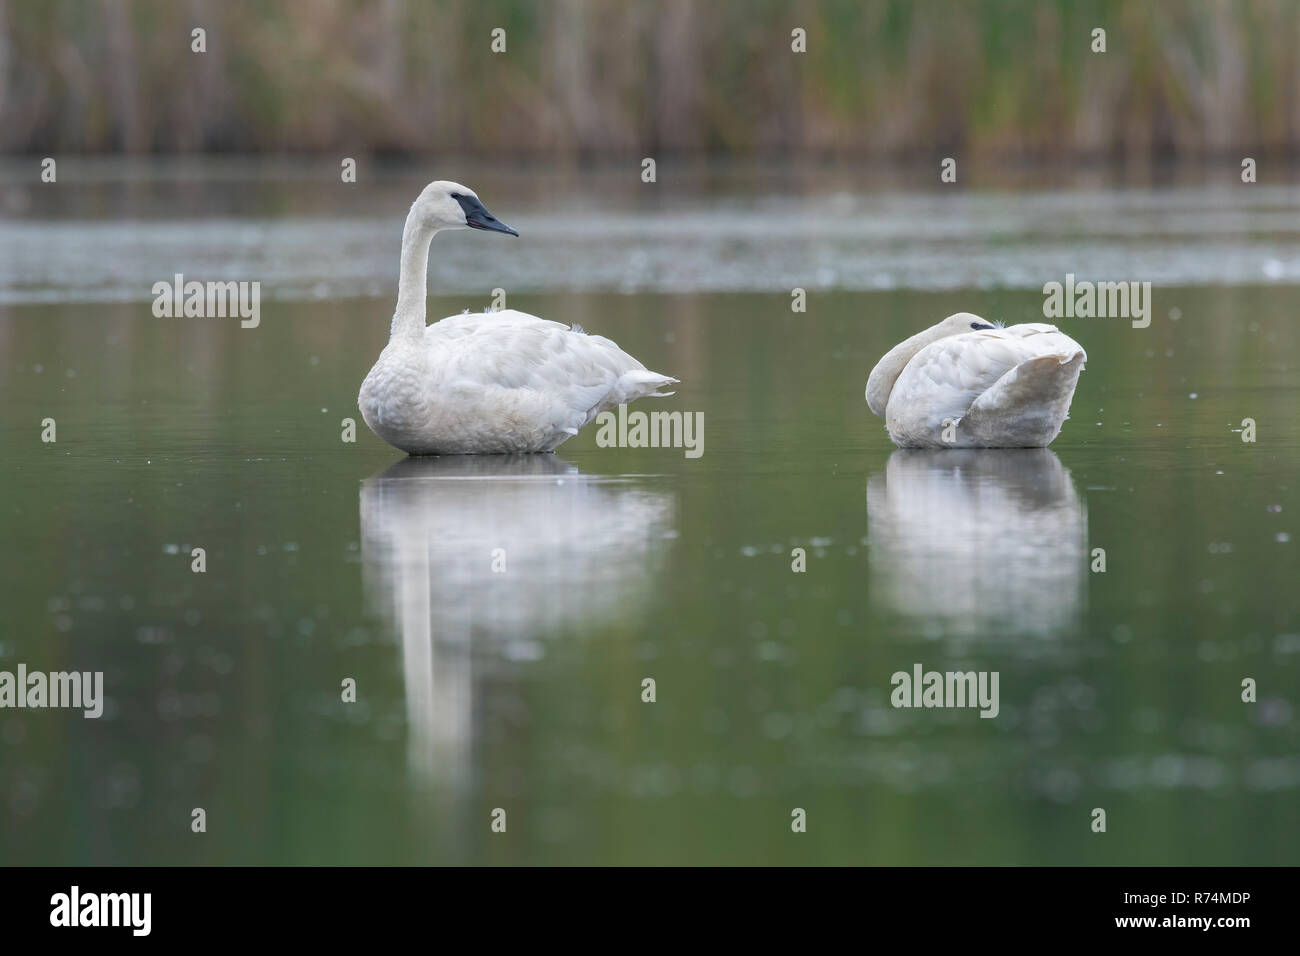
(579, 79)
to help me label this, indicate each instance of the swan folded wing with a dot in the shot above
(1040, 339)
(946, 376)
(951, 374)
(570, 376)
(1027, 406)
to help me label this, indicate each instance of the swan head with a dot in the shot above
(447, 205)
(963, 322)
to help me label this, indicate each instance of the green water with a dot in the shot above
(522, 690)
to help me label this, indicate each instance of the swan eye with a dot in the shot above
(455, 196)
(979, 325)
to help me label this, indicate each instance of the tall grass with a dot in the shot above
(1011, 79)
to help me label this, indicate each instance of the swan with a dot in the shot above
(1000, 387)
(488, 383)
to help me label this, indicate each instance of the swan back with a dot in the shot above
(1002, 388)
(966, 383)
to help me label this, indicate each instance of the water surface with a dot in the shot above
(522, 690)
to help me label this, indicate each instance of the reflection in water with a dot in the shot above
(989, 542)
(578, 552)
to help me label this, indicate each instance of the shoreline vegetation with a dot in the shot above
(882, 80)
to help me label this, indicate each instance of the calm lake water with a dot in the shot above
(522, 690)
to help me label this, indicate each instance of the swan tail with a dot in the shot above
(640, 383)
(1027, 406)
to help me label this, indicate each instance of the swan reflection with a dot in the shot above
(989, 542)
(490, 555)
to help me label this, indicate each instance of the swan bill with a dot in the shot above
(477, 216)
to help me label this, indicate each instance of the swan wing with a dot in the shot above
(957, 370)
(573, 374)
(946, 378)
(1026, 407)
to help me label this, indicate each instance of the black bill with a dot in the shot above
(476, 217)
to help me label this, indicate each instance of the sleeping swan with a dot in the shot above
(493, 382)
(966, 383)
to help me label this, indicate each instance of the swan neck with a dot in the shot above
(885, 374)
(408, 319)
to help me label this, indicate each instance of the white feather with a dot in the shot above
(954, 387)
(488, 382)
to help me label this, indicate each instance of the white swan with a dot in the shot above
(966, 383)
(488, 383)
